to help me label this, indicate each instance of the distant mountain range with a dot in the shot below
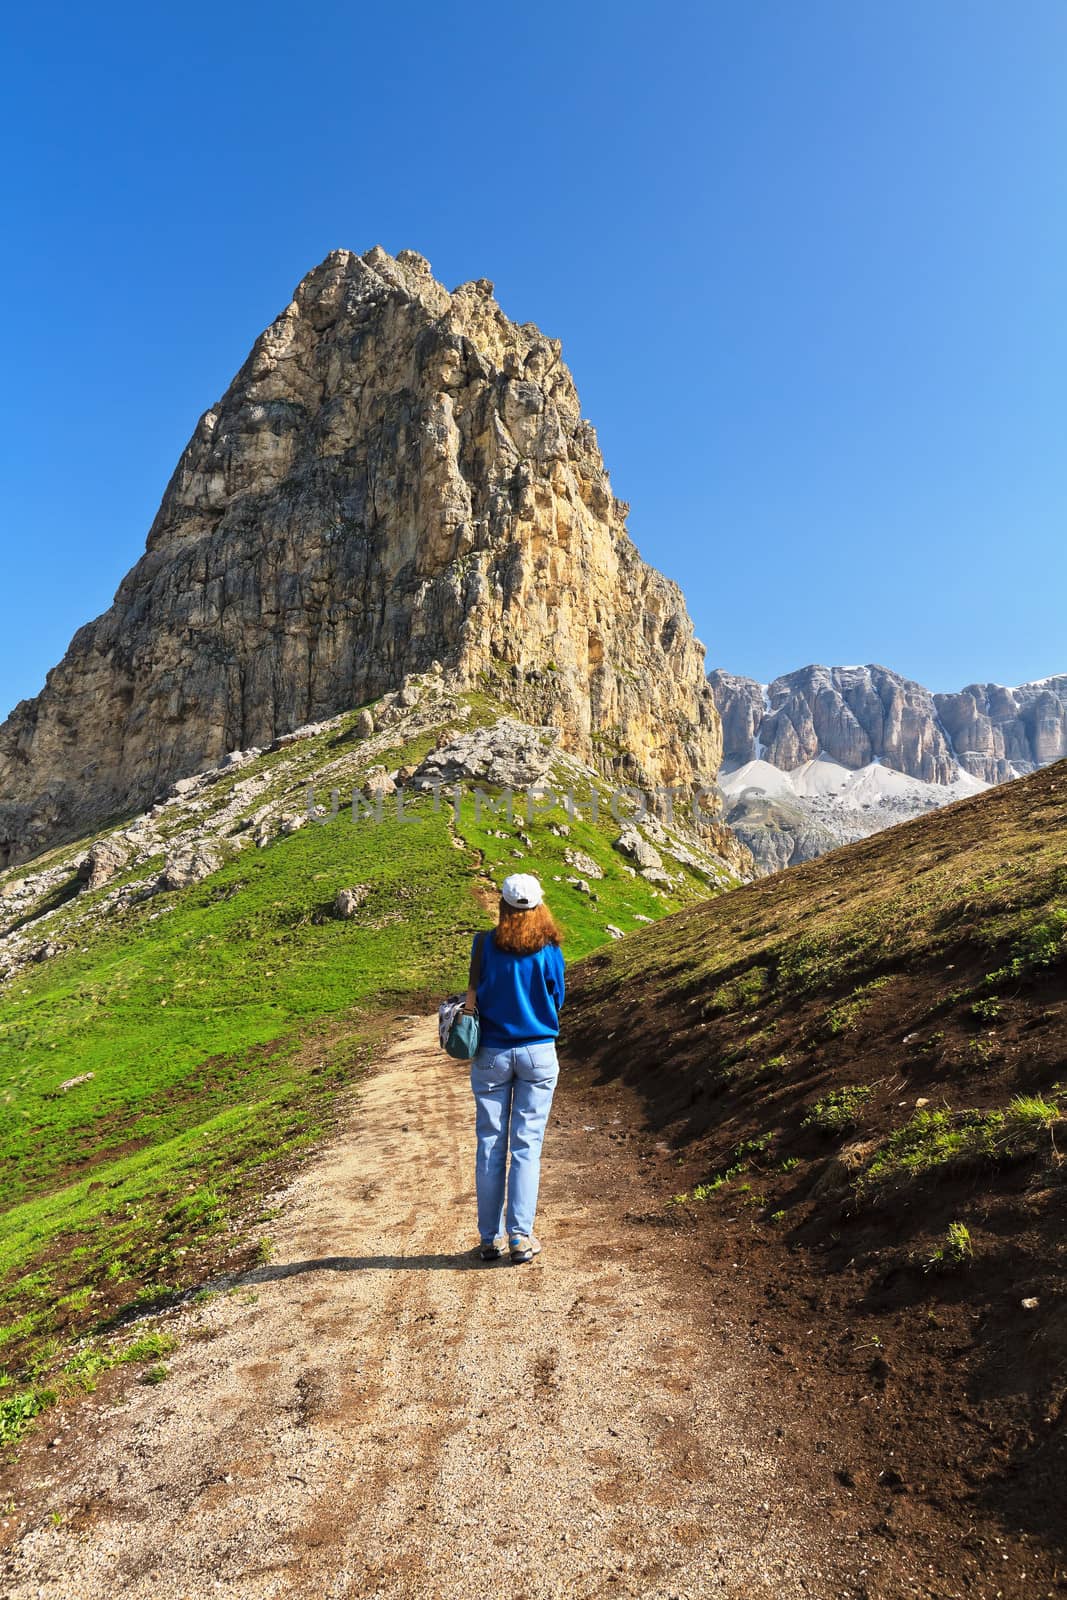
(825, 755)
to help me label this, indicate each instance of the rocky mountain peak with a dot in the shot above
(398, 477)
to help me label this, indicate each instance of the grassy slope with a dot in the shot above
(220, 1022)
(862, 1067)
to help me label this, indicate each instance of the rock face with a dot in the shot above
(398, 476)
(855, 715)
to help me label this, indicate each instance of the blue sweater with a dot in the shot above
(519, 997)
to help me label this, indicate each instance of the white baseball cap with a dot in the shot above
(522, 891)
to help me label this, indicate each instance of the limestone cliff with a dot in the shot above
(826, 755)
(855, 715)
(1000, 733)
(397, 476)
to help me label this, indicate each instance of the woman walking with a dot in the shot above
(517, 987)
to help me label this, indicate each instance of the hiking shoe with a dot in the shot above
(488, 1250)
(523, 1247)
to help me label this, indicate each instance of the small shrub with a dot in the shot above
(84, 1365)
(986, 1010)
(837, 1111)
(149, 1345)
(1032, 1111)
(983, 1050)
(154, 1374)
(956, 1251)
(843, 1016)
(1043, 943)
(18, 1412)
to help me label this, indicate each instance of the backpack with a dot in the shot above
(458, 1030)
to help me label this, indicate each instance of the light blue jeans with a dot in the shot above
(513, 1091)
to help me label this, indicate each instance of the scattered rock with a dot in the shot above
(292, 821)
(71, 1083)
(616, 933)
(582, 887)
(378, 782)
(583, 863)
(364, 724)
(239, 758)
(509, 753)
(348, 901)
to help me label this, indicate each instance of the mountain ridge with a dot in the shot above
(828, 755)
(1010, 730)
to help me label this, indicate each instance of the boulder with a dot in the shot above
(348, 901)
(631, 843)
(583, 887)
(188, 865)
(378, 782)
(106, 858)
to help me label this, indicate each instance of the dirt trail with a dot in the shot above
(390, 1417)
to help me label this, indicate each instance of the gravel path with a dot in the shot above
(377, 1413)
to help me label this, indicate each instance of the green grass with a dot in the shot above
(946, 1142)
(184, 1016)
(218, 1036)
(955, 1251)
(839, 1110)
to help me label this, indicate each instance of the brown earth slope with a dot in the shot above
(861, 1067)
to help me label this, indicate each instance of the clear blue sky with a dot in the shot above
(808, 263)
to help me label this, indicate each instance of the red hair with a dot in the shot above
(522, 932)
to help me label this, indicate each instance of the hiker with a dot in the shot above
(518, 995)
